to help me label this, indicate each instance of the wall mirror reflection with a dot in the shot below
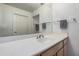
(25, 18)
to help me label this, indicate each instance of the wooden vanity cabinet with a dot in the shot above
(60, 52)
(64, 50)
(53, 50)
(59, 49)
(65, 47)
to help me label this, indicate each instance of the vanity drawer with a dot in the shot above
(50, 52)
(60, 45)
(60, 52)
(53, 50)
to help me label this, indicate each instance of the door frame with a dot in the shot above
(13, 25)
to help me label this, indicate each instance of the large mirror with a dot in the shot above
(25, 18)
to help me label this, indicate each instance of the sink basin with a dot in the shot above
(45, 40)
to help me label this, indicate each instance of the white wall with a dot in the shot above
(68, 11)
(7, 18)
(45, 16)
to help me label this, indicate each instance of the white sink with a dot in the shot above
(45, 40)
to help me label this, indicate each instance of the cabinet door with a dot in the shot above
(50, 52)
(65, 47)
(60, 52)
(65, 50)
(53, 50)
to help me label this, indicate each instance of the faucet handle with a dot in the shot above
(37, 37)
(43, 36)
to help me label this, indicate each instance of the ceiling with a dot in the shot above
(26, 6)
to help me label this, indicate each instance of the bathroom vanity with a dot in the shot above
(53, 44)
(59, 49)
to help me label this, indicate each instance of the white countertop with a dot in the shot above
(30, 46)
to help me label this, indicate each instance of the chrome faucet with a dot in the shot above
(40, 36)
